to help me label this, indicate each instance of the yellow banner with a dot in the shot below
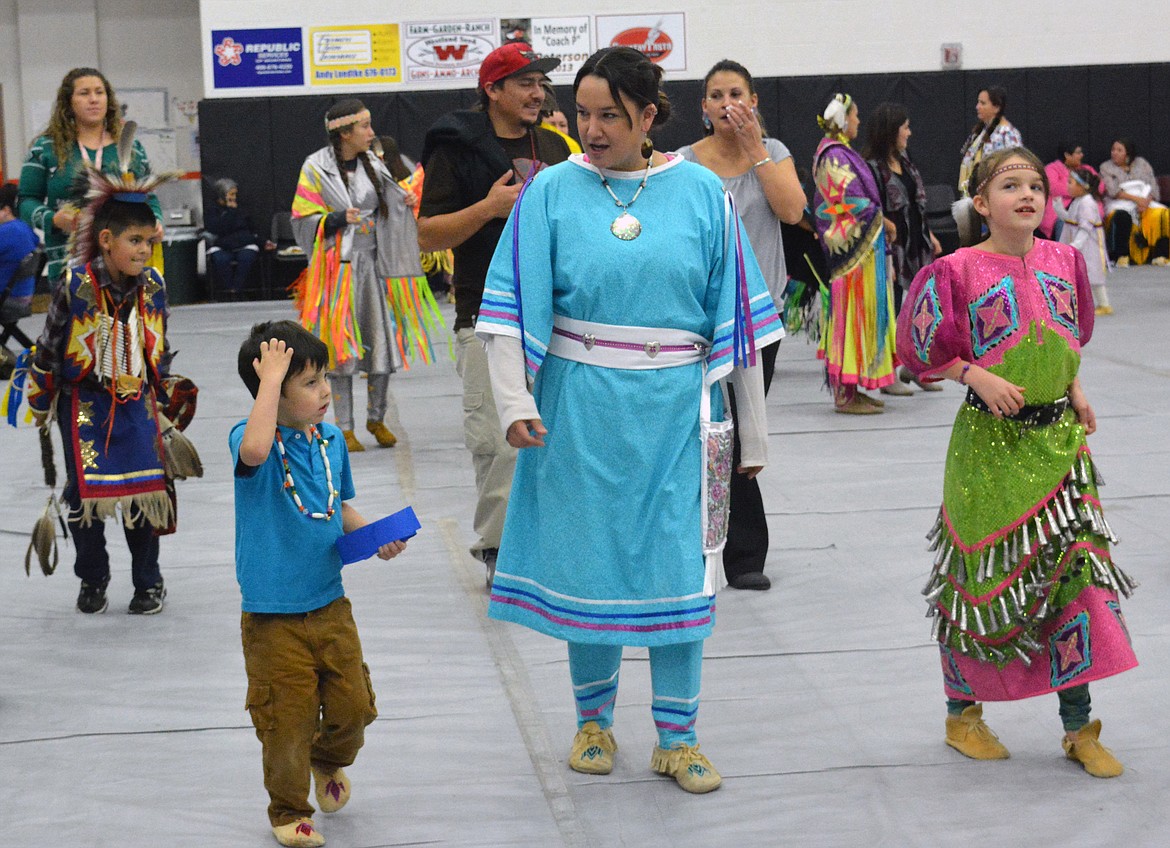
(354, 55)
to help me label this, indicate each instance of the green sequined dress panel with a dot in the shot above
(998, 470)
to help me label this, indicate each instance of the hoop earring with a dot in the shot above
(647, 148)
(707, 123)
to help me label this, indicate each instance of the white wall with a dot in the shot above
(164, 43)
(801, 37)
(136, 44)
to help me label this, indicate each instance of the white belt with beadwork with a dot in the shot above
(631, 348)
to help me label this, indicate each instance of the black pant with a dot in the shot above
(747, 525)
(93, 561)
(1117, 234)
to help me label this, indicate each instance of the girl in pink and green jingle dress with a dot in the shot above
(1024, 590)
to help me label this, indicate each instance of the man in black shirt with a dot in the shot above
(475, 163)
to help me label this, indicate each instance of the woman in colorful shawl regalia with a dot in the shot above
(857, 330)
(364, 293)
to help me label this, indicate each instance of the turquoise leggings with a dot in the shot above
(1074, 706)
(675, 672)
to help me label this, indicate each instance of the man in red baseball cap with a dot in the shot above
(475, 163)
(511, 60)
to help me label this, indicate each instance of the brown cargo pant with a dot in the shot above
(310, 697)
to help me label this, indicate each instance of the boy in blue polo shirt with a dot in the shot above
(309, 691)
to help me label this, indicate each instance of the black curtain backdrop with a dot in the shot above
(261, 142)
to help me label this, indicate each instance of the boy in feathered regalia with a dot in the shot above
(101, 367)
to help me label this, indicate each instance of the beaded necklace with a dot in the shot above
(292, 486)
(626, 226)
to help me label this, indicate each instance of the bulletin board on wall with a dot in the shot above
(148, 107)
(161, 148)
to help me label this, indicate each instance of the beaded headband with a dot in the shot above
(1081, 181)
(346, 120)
(1018, 166)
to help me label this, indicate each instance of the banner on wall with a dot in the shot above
(569, 39)
(436, 51)
(248, 58)
(348, 55)
(662, 38)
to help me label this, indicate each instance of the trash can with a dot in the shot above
(180, 251)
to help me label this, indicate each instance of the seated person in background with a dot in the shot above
(1137, 226)
(1070, 156)
(17, 245)
(231, 238)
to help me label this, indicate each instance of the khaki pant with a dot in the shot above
(310, 697)
(491, 455)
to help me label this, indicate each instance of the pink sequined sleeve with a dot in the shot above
(932, 331)
(1085, 310)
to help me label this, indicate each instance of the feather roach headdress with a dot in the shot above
(99, 188)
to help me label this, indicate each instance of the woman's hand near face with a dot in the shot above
(747, 129)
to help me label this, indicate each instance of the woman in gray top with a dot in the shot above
(760, 175)
(1137, 224)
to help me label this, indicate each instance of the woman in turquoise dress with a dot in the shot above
(625, 290)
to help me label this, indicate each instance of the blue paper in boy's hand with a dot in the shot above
(364, 542)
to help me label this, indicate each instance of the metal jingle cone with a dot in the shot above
(936, 528)
(1053, 527)
(979, 626)
(1003, 610)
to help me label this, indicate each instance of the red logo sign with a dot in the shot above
(653, 43)
(448, 52)
(229, 52)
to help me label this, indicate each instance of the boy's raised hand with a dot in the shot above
(275, 357)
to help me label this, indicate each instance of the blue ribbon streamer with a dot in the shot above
(16, 387)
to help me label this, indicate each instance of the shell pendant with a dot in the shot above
(626, 227)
